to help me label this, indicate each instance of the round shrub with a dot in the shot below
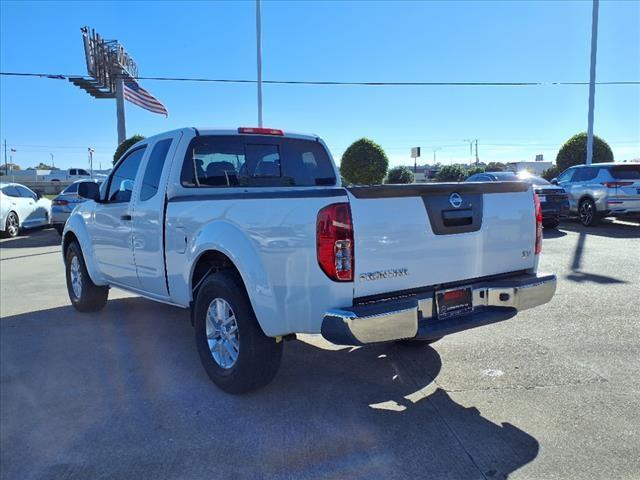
(124, 146)
(364, 163)
(400, 175)
(574, 152)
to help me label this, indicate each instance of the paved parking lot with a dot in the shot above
(553, 393)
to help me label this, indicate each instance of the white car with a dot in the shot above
(252, 231)
(21, 208)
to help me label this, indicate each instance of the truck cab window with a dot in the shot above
(236, 161)
(123, 178)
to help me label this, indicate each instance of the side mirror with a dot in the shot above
(554, 181)
(89, 190)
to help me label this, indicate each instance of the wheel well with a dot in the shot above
(69, 238)
(587, 197)
(209, 262)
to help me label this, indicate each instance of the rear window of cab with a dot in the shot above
(256, 161)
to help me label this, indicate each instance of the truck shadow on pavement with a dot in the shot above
(121, 394)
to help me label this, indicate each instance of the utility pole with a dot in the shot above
(90, 161)
(122, 131)
(434, 153)
(6, 168)
(259, 60)
(53, 164)
(477, 160)
(592, 79)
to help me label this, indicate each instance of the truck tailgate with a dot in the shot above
(414, 236)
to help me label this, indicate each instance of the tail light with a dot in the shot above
(616, 184)
(60, 203)
(261, 131)
(538, 215)
(334, 242)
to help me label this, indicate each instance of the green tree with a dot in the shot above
(364, 163)
(124, 146)
(495, 167)
(473, 170)
(43, 166)
(574, 152)
(551, 173)
(400, 175)
(451, 173)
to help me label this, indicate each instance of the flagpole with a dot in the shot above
(122, 133)
(259, 59)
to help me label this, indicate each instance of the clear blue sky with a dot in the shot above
(349, 41)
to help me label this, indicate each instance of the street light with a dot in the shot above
(435, 149)
(90, 150)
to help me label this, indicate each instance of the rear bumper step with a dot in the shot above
(493, 301)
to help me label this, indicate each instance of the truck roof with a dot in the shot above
(236, 131)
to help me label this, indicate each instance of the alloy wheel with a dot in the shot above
(12, 225)
(222, 333)
(586, 213)
(76, 277)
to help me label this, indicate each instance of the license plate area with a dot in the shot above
(453, 302)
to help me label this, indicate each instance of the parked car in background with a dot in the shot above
(69, 174)
(63, 204)
(21, 207)
(602, 190)
(553, 199)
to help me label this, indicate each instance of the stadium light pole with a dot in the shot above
(592, 79)
(259, 59)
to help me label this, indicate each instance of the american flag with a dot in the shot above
(140, 97)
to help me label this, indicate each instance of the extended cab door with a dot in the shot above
(111, 227)
(148, 215)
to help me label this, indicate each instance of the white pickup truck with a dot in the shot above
(252, 231)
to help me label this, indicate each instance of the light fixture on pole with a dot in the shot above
(90, 150)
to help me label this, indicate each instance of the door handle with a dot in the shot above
(126, 217)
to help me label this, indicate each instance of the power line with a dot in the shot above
(59, 76)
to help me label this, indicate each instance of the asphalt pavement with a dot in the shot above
(552, 393)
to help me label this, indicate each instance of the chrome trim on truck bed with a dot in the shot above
(493, 301)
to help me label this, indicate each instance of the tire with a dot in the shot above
(417, 342)
(85, 295)
(551, 224)
(587, 213)
(233, 328)
(59, 227)
(11, 226)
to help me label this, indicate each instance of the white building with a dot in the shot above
(534, 167)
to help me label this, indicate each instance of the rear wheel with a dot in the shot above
(11, 226)
(85, 295)
(587, 213)
(235, 353)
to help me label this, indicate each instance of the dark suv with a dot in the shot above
(553, 199)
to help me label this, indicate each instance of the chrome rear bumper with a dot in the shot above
(396, 319)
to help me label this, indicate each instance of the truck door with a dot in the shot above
(111, 228)
(148, 215)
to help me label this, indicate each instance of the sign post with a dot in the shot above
(415, 153)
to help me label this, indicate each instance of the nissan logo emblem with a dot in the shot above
(455, 200)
